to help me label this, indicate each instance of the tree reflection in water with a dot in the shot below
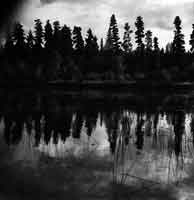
(150, 146)
(146, 145)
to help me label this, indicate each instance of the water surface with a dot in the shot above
(57, 145)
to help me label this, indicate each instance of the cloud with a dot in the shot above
(158, 14)
(44, 2)
(155, 13)
(163, 25)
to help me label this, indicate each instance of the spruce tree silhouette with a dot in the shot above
(127, 43)
(156, 53)
(19, 37)
(91, 45)
(178, 42)
(38, 34)
(101, 45)
(148, 41)
(148, 51)
(156, 44)
(48, 35)
(66, 42)
(53, 52)
(78, 42)
(139, 33)
(30, 40)
(113, 41)
(191, 41)
(57, 36)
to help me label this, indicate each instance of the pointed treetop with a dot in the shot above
(191, 41)
(148, 40)
(127, 44)
(139, 33)
(178, 42)
(113, 40)
(156, 44)
(30, 39)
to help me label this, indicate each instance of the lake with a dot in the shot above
(96, 144)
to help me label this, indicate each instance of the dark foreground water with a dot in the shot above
(93, 145)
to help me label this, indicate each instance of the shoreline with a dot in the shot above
(100, 85)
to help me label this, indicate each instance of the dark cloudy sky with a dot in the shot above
(158, 14)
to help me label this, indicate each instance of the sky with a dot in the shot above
(158, 15)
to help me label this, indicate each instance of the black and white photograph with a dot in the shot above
(97, 100)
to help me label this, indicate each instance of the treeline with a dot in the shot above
(55, 52)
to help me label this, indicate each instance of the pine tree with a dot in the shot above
(48, 35)
(113, 40)
(91, 47)
(66, 41)
(95, 45)
(30, 40)
(156, 45)
(178, 42)
(38, 33)
(19, 36)
(57, 35)
(157, 53)
(115, 34)
(139, 33)
(191, 41)
(109, 44)
(101, 45)
(78, 42)
(148, 40)
(9, 43)
(89, 41)
(148, 59)
(127, 45)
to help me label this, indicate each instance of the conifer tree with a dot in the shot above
(56, 35)
(178, 42)
(39, 34)
(178, 45)
(127, 44)
(109, 44)
(66, 41)
(113, 40)
(9, 44)
(101, 45)
(157, 53)
(139, 33)
(191, 41)
(19, 36)
(78, 42)
(156, 45)
(115, 34)
(30, 40)
(91, 47)
(48, 35)
(148, 40)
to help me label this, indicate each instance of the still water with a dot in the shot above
(56, 145)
